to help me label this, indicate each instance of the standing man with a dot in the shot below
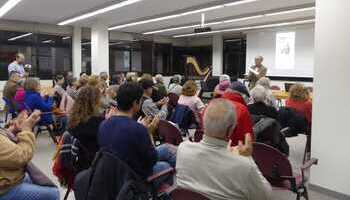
(256, 72)
(17, 65)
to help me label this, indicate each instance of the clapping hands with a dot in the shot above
(245, 149)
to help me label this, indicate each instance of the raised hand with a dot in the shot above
(245, 149)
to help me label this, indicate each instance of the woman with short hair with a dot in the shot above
(189, 98)
(34, 101)
(259, 106)
(299, 100)
(266, 83)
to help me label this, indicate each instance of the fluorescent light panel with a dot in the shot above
(8, 6)
(20, 36)
(248, 28)
(66, 38)
(47, 41)
(233, 20)
(99, 11)
(182, 14)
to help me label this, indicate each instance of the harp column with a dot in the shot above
(218, 55)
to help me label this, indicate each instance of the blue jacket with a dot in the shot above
(34, 101)
(130, 142)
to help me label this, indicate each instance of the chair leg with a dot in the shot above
(52, 134)
(298, 196)
(306, 193)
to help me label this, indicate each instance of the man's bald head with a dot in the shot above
(219, 119)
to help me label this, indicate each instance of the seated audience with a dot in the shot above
(129, 140)
(104, 79)
(72, 87)
(84, 122)
(242, 90)
(131, 77)
(244, 121)
(224, 83)
(215, 169)
(59, 90)
(174, 86)
(162, 91)
(259, 106)
(270, 100)
(20, 95)
(117, 79)
(108, 100)
(10, 90)
(34, 101)
(299, 100)
(83, 75)
(83, 81)
(149, 107)
(17, 149)
(189, 98)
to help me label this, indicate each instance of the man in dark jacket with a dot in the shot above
(129, 140)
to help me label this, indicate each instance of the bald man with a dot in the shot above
(256, 72)
(215, 169)
(17, 65)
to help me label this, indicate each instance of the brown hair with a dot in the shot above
(189, 88)
(298, 93)
(31, 84)
(85, 106)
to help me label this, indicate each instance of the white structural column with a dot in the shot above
(99, 48)
(331, 109)
(218, 48)
(76, 51)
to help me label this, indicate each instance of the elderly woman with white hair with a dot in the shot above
(174, 86)
(259, 106)
(270, 99)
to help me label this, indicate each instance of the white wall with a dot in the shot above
(263, 42)
(331, 135)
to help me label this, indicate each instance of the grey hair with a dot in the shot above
(177, 78)
(259, 94)
(265, 82)
(219, 116)
(224, 77)
(159, 78)
(259, 57)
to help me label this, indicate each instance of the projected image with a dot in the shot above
(285, 50)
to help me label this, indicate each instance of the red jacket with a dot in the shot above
(302, 107)
(244, 121)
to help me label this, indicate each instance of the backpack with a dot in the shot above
(268, 131)
(65, 160)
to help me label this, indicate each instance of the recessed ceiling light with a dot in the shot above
(66, 38)
(232, 20)
(20, 36)
(8, 6)
(99, 11)
(181, 14)
(247, 28)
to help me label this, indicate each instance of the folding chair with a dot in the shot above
(277, 169)
(168, 133)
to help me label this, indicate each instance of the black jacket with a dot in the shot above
(261, 108)
(109, 178)
(268, 131)
(86, 133)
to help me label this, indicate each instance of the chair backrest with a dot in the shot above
(181, 194)
(272, 163)
(169, 133)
